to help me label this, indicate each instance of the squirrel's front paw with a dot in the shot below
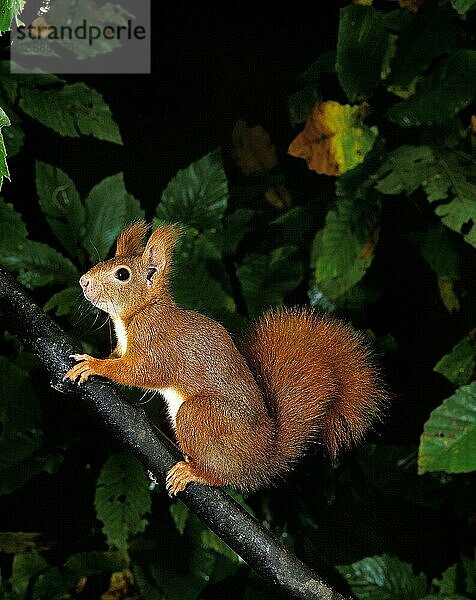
(83, 369)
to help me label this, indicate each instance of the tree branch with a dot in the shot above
(130, 426)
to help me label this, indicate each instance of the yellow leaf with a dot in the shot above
(253, 151)
(448, 295)
(278, 196)
(121, 587)
(252, 148)
(411, 5)
(39, 28)
(15, 542)
(334, 139)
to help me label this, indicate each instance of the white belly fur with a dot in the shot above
(174, 401)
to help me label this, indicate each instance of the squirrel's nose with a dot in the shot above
(84, 281)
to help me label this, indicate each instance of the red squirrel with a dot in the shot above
(241, 416)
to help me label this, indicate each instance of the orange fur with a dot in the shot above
(318, 377)
(240, 418)
(129, 242)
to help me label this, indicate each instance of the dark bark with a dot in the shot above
(130, 426)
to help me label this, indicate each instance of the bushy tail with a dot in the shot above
(317, 377)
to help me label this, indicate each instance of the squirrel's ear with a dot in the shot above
(158, 251)
(129, 242)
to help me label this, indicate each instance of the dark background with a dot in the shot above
(210, 67)
(213, 65)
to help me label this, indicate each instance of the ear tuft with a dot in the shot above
(158, 250)
(129, 242)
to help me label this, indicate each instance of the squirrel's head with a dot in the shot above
(136, 275)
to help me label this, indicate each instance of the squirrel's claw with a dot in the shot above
(82, 370)
(179, 476)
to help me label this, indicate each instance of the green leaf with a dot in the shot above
(267, 278)
(357, 182)
(436, 248)
(425, 36)
(180, 515)
(362, 43)
(13, 134)
(4, 172)
(122, 498)
(355, 302)
(133, 210)
(112, 15)
(444, 175)
(235, 226)
(20, 422)
(18, 474)
(343, 249)
(198, 195)
(185, 584)
(195, 289)
(31, 79)
(238, 497)
(15, 542)
(38, 264)
(324, 63)
(23, 46)
(469, 569)
(85, 564)
(444, 597)
(184, 575)
(438, 97)
(64, 302)
(199, 281)
(71, 110)
(60, 202)
(297, 221)
(26, 567)
(389, 55)
(447, 583)
(14, 137)
(463, 6)
(147, 590)
(383, 578)
(455, 180)
(12, 229)
(9, 11)
(397, 20)
(109, 207)
(213, 542)
(404, 169)
(458, 366)
(8, 83)
(393, 470)
(300, 103)
(448, 442)
(50, 586)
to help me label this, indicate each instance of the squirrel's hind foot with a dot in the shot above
(183, 473)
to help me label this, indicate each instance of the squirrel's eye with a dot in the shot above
(122, 274)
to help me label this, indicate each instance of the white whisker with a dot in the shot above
(140, 403)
